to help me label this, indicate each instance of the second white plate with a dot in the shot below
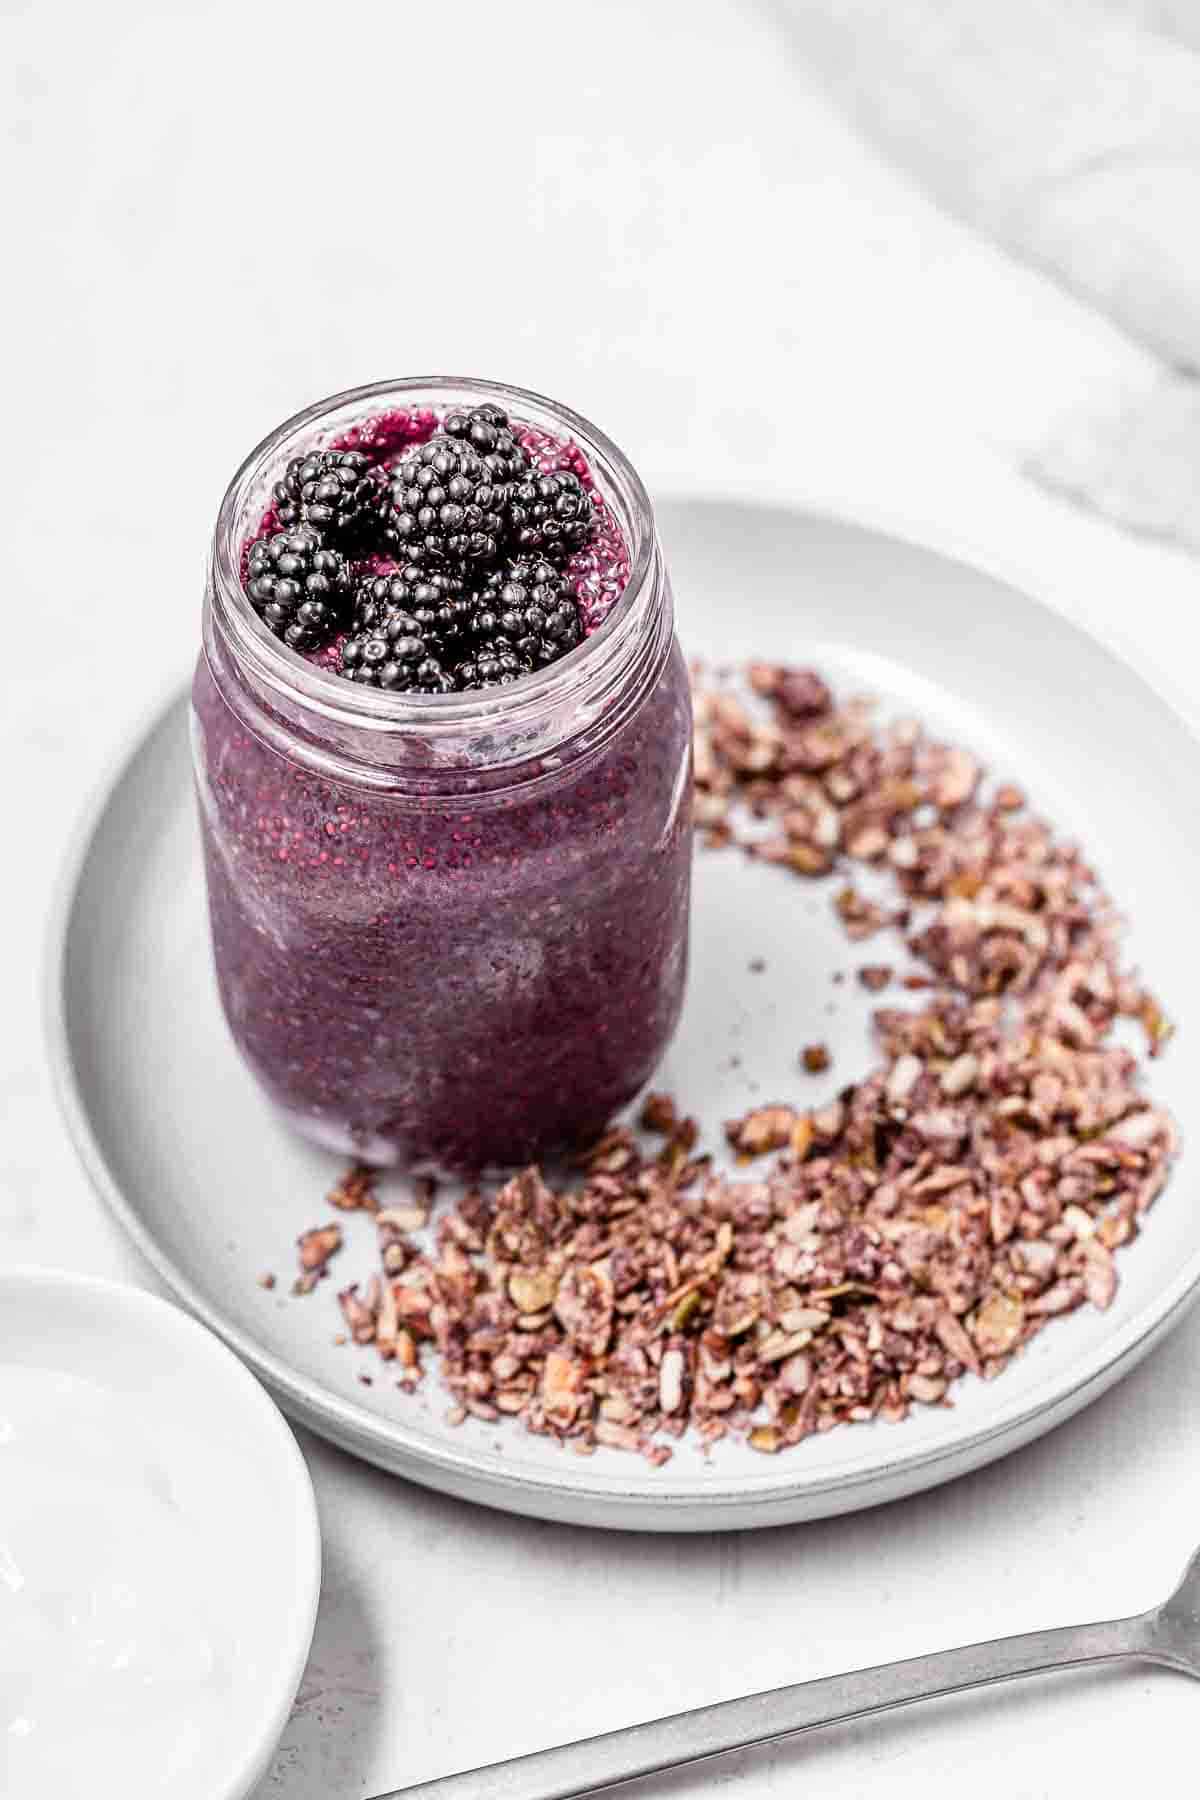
(215, 1191)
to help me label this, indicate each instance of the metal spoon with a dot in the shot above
(1168, 1634)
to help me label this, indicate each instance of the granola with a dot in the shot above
(314, 1249)
(926, 1224)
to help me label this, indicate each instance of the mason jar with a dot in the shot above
(450, 931)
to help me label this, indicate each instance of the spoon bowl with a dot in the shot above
(160, 1427)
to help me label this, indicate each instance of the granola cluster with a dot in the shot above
(925, 1224)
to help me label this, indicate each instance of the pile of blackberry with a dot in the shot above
(441, 573)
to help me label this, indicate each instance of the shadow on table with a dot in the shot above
(334, 1728)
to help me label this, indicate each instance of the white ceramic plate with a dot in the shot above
(215, 1191)
(238, 1485)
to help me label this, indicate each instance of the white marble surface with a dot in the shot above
(217, 212)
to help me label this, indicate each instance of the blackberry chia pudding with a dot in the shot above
(442, 739)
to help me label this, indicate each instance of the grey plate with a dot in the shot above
(214, 1191)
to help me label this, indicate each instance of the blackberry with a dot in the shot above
(495, 664)
(298, 587)
(531, 606)
(395, 654)
(434, 598)
(488, 431)
(336, 493)
(447, 504)
(550, 515)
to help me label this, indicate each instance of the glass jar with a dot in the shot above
(449, 931)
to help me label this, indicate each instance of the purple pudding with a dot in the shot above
(442, 741)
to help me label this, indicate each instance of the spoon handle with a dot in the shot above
(602, 1762)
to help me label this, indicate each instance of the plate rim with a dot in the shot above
(579, 1488)
(292, 1658)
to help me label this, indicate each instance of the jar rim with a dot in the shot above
(521, 704)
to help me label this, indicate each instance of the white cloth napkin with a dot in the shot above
(1070, 134)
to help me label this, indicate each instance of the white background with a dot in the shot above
(216, 214)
